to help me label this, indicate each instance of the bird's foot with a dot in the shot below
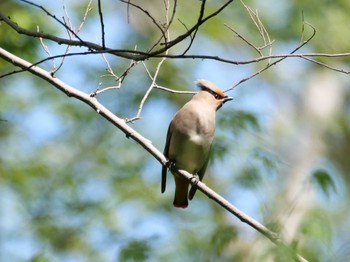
(170, 164)
(194, 180)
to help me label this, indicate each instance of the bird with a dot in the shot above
(189, 139)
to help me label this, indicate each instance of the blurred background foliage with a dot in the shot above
(74, 188)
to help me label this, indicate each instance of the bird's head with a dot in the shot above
(213, 95)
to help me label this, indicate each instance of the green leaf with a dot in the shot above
(136, 250)
(324, 181)
(249, 177)
(222, 237)
(39, 258)
(239, 120)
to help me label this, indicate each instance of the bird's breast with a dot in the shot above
(190, 145)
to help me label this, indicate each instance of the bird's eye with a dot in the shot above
(214, 94)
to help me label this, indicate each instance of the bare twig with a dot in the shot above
(118, 79)
(67, 22)
(167, 25)
(245, 40)
(99, 90)
(174, 91)
(47, 51)
(275, 62)
(54, 17)
(128, 11)
(109, 68)
(327, 66)
(102, 24)
(149, 16)
(192, 29)
(193, 35)
(261, 28)
(154, 77)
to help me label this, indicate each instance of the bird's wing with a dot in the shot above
(166, 154)
(200, 174)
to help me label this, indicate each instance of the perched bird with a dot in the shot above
(189, 138)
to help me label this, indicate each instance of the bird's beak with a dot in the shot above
(227, 98)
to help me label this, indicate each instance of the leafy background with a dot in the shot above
(74, 188)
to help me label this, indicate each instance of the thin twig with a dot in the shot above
(192, 29)
(54, 17)
(327, 66)
(69, 21)
(47, 51)
(154, 77)
(102, 24)
(199, 20)
(148, 15)
(174, 91)
(261, 28)
(87, 10)
(128, 12)
(118, 79)
(166, 27)
(245, 40)
(275, 62)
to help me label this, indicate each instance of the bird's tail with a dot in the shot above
(181, 192)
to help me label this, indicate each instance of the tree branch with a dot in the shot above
(146, 144)
(136, 55)
(102, 24)
(93, 48)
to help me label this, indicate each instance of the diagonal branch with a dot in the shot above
(147, 145)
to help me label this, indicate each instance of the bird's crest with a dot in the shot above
(206, 85)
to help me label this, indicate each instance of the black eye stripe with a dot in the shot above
(216, 95)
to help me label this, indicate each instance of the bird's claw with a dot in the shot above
(194, 180)
(170, 164)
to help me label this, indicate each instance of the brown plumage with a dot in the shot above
(189, 138)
